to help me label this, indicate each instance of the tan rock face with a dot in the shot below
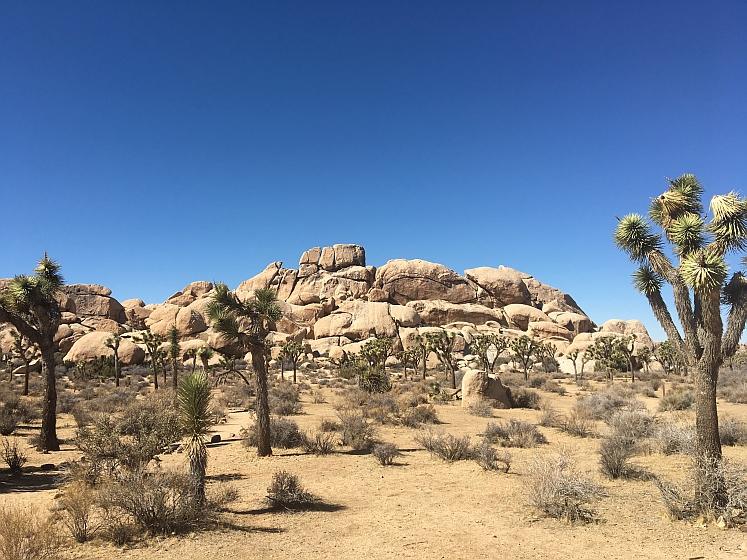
(405, 316)
(91, 346)
(187, 320)
(103, 325)
(411, 280)
(478, 386)
(548, 329)
(357, 320)
(92, 299)
(437, 313)
(504, 284)
(134, 302)
(574, 322)
(519, 315)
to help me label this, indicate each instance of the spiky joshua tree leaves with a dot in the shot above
(247, 323)
(193, 395)
(698, 276)
(29, 304)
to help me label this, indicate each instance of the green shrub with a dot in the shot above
(284, 433)
(521, 397)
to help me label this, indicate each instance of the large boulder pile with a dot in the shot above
(333, 302)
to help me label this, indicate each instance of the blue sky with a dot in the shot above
(145, 145)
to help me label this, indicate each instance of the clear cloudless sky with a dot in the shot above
(145, 145)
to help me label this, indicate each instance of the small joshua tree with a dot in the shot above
(113, 343)
(193, 394)
(523, 349)
(442, 343)
(292, 351)
(27, 352)
(205, 354)
(174, 350)
(487, 347)
(152, 342)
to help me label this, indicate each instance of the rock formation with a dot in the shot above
(334, 302)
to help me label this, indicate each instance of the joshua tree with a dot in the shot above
(645, 356)
(545, 353)
(113, 343)
(26, 352)
(191, 354)
(174, 351)
(152, 342)
(193, 394)
(376, 351)
(442, 343)
(625, 348)
(246, 323)
(606, 352)
(29, 304)
(487, 347)
(405, 357)
(423, 350)
(292, 351)
(700, 285)
(204, 354)
(523, 349)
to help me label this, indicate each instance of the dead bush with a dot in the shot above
(487, 457)
(79, 512)
(419, 415)
(283, 399)
(318, 397)
(578, 423)
(284, 433)
(614, 453)
(731, 432)
(550, 418)
(677, 399)
(386, 453)
(319, 442)
(513, 433)
(481, 408)
(632, 424)
(13, 455)
(355, 429)
(446, 446)
(672, 438)
(25, 535)
(286, 492)
(554, 487)
(521, 397)
(327, 425)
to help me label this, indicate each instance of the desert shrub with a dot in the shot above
(732, 385)
(481, 408)
(386, 453)
(554, 387)
(679, 503)
(355, 430)
(513, 433)
(672, 438)
(24, 535)
(679, 399)
(318, 397)
(537, 381)
(284, 433)
(283, 399)
(578, 423)
(78, 511)
(66, 401)
(521, 397)
(13, 455)
(446, 446)
(286, 492)
(614, 453)
(549, 418)
(237, 395)
(381, 407)
(421, 414)
(81, 415)
(632, 424)
(555, 488)
(152, 422)
(319, 442)
(158, 502)
(599, 406)
(327, 425)
(8, 420)
(731, 432)
(487, 457)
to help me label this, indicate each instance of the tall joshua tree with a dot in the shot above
(29, 303)
(246, 323)
(698, 274)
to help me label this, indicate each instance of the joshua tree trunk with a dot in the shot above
(25, 376)
(197, 480)
(294, 372)
(48, 437)
(263, 406)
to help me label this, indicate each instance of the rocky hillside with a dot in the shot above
(333, 302)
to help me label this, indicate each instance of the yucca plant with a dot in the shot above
(29, 304)
(247, 323)
(700, 284)
(193, 395)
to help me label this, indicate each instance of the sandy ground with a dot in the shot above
(421, 507)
